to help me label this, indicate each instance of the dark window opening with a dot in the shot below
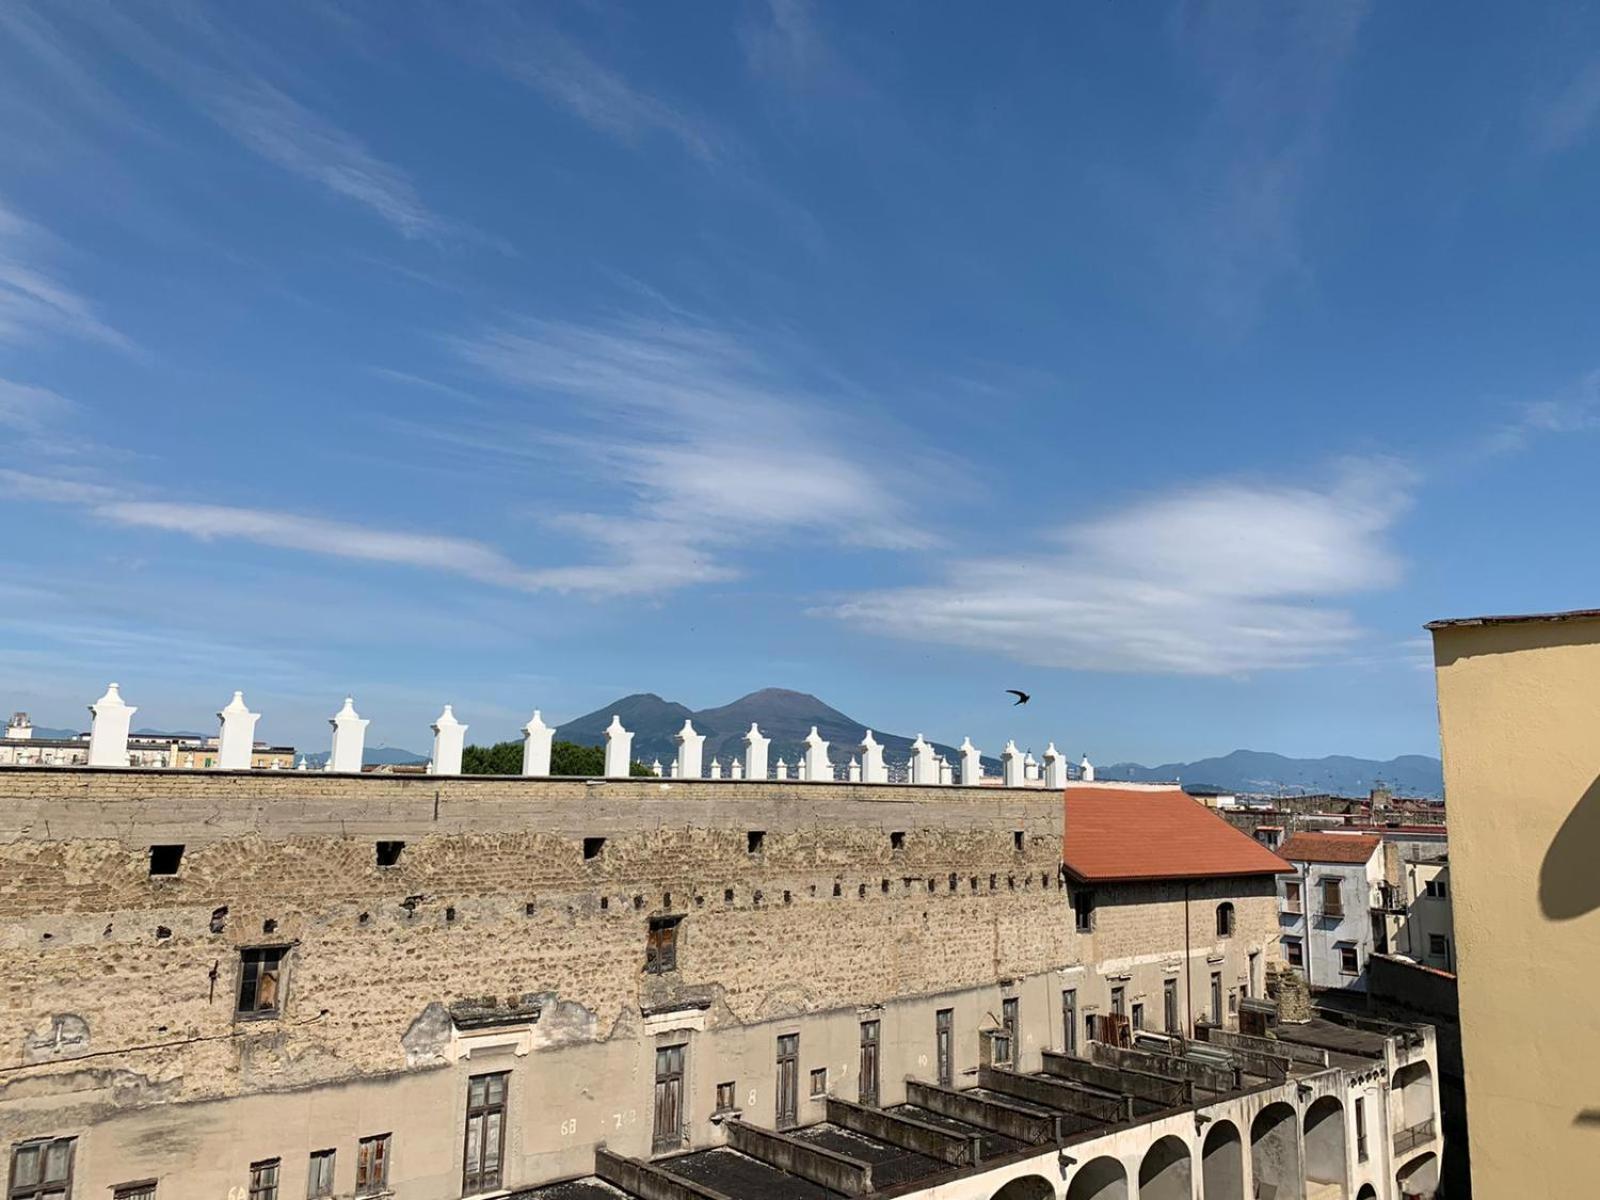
(838, 890)
(372, 1164)
(1069, 1020)
(754, 840)
(819, 1082)
(143, 1190)
(1083, 911)
(164, 860)
(1216, 997)
(667, 1130)
(261, 971)
(592, 847)
(264, 1179)
(897, 840)
(1225, 920)
(389, 853)
(486, 1133)
(1016, 840)
(319, 1175)
(1138, 1015)
(661, 945)
(725, 1096)
(269, 926)
(1349, 961)
(42, 1170)
(1169, 1005)
(219, 919)
(727, 895)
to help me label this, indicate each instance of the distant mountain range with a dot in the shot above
(1258, 771)
(784, 716)
(375, 756)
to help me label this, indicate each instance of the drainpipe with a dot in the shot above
(1305, 915)
(1188, 983)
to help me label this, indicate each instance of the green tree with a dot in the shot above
(566, 758)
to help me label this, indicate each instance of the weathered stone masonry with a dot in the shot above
(118, 989)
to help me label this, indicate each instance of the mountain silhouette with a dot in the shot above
(1259, 771)
(784, 716)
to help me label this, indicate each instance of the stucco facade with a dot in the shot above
(1519, 711)
(1329, 918)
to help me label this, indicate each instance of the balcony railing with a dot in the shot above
(1416, 1135)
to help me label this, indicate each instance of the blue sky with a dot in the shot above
(1173, 364)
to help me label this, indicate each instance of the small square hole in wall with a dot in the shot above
(164, 860)
(838, 890)
(592, 847)
(897, 840)
(1016, 840)
(389, 853)
(754, 840)
(727, 895)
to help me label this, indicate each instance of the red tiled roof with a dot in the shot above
(1117, 834)
(1330, 847)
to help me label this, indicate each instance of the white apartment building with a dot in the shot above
(1326, 911)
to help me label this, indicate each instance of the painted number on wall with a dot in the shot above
(568, 1128)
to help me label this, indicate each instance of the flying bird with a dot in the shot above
(1022, 697)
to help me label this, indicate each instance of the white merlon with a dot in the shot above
(1011, 765)
(655, 768)
(1086, 770)
(449, 738)
(691, 752)
(619, 749)
(237, 736)
(349, 739)
(873, 769)
(818, 767)
(755, 753)
(537, 738)
(1055, 768)
(971, 764)
(924, 762)
(672, 771)
(108, 732)
(855, 770)
(782, 769)
(303, 765)
(735, 769)
(946, 775)
(1030, 769)
(716, 769)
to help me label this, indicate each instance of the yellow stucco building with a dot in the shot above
(1519, 719)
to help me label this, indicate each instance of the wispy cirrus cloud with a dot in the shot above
(708, 444)
(35, 302)
(1219, 579)
(212, 68)
(1562, 119)
(1223, 219)
(1574, 408)
(547, 60)
(285, 132)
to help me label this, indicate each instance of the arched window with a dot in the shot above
(1225, 919)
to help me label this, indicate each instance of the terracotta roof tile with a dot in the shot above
(1330, 847)
(1143, 833)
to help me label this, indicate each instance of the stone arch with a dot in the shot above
(1225, 919)
(1419, 1178)
(1275, 1149)
(1367, 1192)
(1325, 1142)
(1414, 1083)
(1028, 1187)
(1099, 1179)
(1167, 1172)
(1222, 1163)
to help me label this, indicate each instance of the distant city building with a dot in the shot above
(1326, 910)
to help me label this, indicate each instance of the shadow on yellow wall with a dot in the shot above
(1569, 879)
